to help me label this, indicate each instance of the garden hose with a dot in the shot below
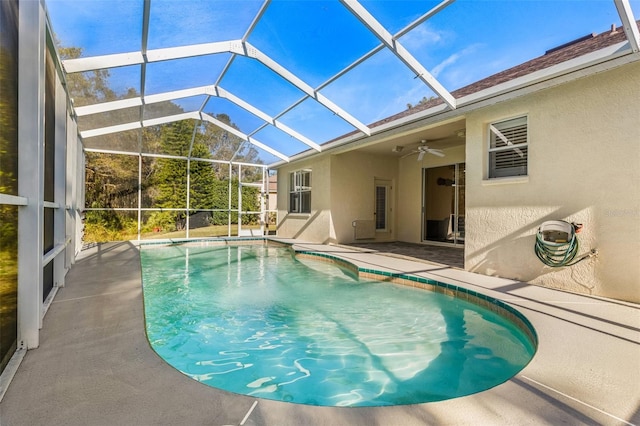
(557, 244)
(556, 254)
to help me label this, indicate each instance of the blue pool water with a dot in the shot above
(255, 320)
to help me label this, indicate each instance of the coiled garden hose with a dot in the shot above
(556, 254)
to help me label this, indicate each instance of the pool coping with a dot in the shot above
(586, 369)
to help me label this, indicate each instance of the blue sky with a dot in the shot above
(467, 41)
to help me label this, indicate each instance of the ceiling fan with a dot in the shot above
(423, 149)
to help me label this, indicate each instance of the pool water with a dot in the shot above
(255, 320)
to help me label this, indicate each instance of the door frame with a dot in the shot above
(458, 241)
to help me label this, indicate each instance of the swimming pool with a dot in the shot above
(257, 320)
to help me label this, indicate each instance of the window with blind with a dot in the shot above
(508, 148)
(300, 191)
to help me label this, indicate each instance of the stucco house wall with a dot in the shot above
(584, 167)
(353, 192)
(342, 191)
(315, 226)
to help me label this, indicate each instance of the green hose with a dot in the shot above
(556, 254)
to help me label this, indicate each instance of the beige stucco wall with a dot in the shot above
(584, 166)
(316, 226)
(353, 192)
(342, 191)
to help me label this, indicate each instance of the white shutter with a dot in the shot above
(508, 148)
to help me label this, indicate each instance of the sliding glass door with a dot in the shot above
(443, 204)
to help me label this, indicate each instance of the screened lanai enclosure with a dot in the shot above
(180, 110)
(162, 119)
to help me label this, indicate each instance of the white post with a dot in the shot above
(239, 199)
(263, 200)
(80, 192)
(60, 178)
(31, 90)
(139, 196)
(229, 204)
(70, 191)
(186, 219)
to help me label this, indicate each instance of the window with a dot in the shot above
(508, 148)
(300, 191)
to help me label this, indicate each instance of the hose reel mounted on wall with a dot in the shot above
(556, 243)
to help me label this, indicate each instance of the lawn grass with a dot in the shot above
(206, 231)
(101, 235)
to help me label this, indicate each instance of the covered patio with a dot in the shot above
(445, 255)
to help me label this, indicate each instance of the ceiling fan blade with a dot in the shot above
(420, 156)
(411, 153)
(436, 152)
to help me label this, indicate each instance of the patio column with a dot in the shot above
(31, 90)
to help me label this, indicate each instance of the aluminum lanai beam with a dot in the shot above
(137, 124)
(174, 157)
(237, 47)
(394, 45)
(108, 106)
(139, 100)
(366, 56)
(253, 52)
(437, 8)
(245, 37)
(102, 62)
(143, 48)
(110, 129)
(369, 54)
(628, 24)
(238, 133)
(153, 55)
(196, 91)
(268, 119)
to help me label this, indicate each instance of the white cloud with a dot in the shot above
(442, 65)
(453, 58)
(423, 36)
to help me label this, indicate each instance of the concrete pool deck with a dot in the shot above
(94, 365)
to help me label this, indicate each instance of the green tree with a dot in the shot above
(112, 180)
(202, 179)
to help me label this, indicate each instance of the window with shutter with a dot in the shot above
(508, 148)
(300, 191)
